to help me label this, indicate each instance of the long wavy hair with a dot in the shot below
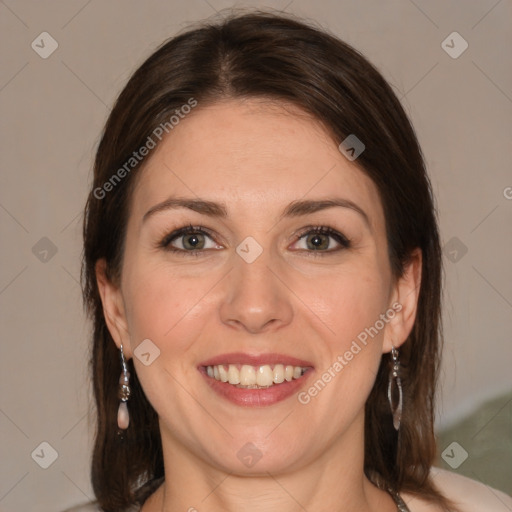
(262, 54)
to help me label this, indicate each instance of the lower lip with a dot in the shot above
(256, 397)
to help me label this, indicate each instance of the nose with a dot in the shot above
(256, 298)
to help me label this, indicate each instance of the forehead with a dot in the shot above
(256, 157)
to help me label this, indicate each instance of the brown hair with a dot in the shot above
(272, 56)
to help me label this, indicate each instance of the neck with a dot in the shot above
(333, 480)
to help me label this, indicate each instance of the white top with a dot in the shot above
(469, 495)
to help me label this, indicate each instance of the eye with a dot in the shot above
(323, 239)
(189, 239)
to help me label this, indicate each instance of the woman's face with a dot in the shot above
(253, 285)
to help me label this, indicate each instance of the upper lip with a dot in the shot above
(255, 359)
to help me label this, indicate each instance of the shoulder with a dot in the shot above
(93, 507)
(88, 507)
(469, 495)
(472, 496)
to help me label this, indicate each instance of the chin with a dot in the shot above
(256, 453)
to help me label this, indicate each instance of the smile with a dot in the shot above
(254, 377)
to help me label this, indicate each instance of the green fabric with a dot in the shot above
(486, 435)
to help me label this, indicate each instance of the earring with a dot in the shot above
(123, 417)
(394, 376)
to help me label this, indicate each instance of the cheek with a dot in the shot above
(170, 312)
(349, 302)
(352, 305)
(165, 308)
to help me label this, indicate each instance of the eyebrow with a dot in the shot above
(294, 209)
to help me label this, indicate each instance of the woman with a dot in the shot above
(263, 270)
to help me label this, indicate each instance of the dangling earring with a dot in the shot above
(123, 417)
(394, 376)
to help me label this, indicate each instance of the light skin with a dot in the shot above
(256, 158)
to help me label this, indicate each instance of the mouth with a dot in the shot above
(244, 376)
(255, 380)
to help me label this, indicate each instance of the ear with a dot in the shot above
(404, 302)
(113, 308)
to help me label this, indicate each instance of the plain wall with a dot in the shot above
(53, 111)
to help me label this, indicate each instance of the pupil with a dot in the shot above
(192, 241)
(316, 241)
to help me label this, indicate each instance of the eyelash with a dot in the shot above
(344, 242)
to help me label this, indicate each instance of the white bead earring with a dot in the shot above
(123, 417)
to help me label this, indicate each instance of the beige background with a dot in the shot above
(53, 111)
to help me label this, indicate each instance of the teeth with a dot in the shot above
(223, 374)
(233, 373)
(265, 376)
(247, 376)
(278, 373)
